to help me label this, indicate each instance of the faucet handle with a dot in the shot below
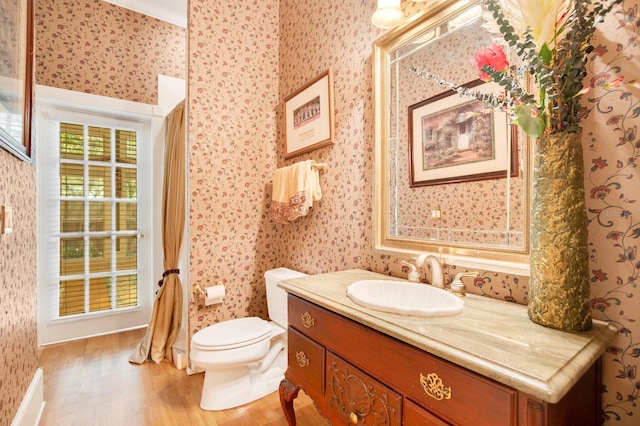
(414, 275)
(457, 286)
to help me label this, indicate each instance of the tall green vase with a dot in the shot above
(559, 284)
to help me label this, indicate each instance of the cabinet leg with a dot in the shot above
(288, 392)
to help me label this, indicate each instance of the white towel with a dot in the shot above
(295, 188)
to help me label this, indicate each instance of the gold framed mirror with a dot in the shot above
(449, 177)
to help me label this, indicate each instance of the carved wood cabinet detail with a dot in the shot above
(357, 375)
(358, 398)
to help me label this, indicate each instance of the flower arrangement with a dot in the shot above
(552, 40)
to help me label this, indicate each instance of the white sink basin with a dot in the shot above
(404, 298)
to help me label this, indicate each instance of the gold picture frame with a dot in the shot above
(310, 117)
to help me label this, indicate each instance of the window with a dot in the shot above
(98, 187)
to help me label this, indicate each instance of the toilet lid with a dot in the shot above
(232, 333)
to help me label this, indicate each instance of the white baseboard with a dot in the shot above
(32, 406)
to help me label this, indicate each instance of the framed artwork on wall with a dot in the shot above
(16, 77)
(309, 116)
(455, 138)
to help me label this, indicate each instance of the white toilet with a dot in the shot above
(244, 359)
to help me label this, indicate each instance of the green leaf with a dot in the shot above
(527, 118)
(545, 54)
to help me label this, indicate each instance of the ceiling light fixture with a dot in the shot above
(388, 14)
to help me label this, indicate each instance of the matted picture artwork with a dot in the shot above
(309, 116)
(455, 138)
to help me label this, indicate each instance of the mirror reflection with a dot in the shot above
(451, 174)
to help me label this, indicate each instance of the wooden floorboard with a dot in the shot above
(90, 382)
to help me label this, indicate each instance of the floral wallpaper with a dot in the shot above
(233, 93)
(18, 344)
(612, 150)
(96, 47)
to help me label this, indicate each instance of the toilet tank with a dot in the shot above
(277, 297)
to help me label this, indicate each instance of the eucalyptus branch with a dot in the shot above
(498, 102)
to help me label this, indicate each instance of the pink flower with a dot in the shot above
(492, 56)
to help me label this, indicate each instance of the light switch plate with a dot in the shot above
(6, 220)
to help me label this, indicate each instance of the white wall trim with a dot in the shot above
(32, 406)
(63, 98)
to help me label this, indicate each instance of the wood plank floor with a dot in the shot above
(90, 382)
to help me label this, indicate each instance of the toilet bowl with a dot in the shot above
(244, 359)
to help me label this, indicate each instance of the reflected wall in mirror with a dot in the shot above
(450, 175)
(16, 76)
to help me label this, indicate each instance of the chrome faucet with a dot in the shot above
(437, 273)
(457, 286)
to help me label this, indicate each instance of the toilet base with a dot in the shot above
(235, 386)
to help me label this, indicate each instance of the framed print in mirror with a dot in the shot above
(455, 138)
(16, 76)
(309, 116)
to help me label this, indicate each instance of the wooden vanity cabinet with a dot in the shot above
(357, 375)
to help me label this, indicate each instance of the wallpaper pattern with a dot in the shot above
(233, 88)
(96, 47)
(612, 150)
(18, 341)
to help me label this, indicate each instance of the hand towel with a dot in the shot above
(295, 188)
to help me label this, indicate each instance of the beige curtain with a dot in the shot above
(167, 308)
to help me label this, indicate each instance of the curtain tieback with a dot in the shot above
(166, 273)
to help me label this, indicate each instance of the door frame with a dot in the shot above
(56, 101)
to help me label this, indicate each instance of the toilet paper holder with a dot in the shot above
(199, 291)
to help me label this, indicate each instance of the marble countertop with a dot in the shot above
(490, 337)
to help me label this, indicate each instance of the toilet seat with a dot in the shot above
(232, 334)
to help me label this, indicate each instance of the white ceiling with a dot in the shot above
(174, 11)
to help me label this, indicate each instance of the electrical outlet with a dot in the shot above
(435, 214)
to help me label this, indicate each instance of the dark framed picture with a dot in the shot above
(309, 116)
(455, 138)
(16, 77)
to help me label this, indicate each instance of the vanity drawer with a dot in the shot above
(455, 394)
(354, 397)
(308, 318)
(306, 362)
(415, 415)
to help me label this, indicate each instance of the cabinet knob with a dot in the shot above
(307, 320)
(301, 359)
(434, 387)
(354, 418)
